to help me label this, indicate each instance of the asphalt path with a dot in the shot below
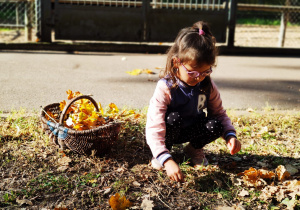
(33, 79)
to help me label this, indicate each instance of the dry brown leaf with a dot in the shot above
(253, 177)
(285, 190)
(236, 181)
(294, 187)
(282, 173)
(64, 161)
(62, 168)
(244, 193)
(268, 192)
(135, 183)
(281, 194)
(147, 204)
(119, 203)
(265, 174)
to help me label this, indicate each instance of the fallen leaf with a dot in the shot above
(237, 181)
(107, 191)
(119, 203)
(64, 161)
(244, 193)
(147, 71)
(113, 108)
(289, 203)
(24, 201)
(268, 192)
(280, 195)
(282, 173)
(135, 183)
(294, 187)
(62, 168)
(253, 177)
(134, 72)
(225, 208)
(147, 204)
(265, 174)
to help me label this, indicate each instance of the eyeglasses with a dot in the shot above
(195, 74)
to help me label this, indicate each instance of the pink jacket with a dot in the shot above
(156, 126)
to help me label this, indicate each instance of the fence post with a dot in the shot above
(45, 20)
(146, 7)
(232, 21)
(283, 24)
(17, 13)
(28, 21)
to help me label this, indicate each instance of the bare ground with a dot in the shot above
(247, 36)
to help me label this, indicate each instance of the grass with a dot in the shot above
(6, 29)
(262, 21)
(256, 21)
(30, 167)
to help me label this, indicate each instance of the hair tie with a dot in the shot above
(201, 32)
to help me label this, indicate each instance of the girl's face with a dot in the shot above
(184, 68)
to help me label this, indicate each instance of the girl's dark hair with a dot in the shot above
(190, 46)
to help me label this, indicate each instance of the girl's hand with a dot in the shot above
(173, 171)
(233, 145)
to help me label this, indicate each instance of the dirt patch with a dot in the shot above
(266, 36)
(246, 36)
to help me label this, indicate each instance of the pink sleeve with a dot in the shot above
(215, 109)
(156, 126)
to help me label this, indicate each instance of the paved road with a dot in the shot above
(32, 79)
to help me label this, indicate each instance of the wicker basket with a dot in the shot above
(100, 139)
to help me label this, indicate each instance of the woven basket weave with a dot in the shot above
(100, 139)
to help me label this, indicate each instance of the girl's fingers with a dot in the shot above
(180, 177)
(237, 148)
(233, 147)
(177, 177)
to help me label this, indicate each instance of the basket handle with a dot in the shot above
(62, 116)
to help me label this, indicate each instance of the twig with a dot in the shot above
(155, 187)
(48, 115)
(158, 195)
(163, 202)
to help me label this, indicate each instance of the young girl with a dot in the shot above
(186, 105)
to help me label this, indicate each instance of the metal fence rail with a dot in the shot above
(156, 4)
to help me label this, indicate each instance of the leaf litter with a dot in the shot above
(264, 175)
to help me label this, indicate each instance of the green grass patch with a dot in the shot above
(256, 21)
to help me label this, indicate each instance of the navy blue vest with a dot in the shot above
(189, 101)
